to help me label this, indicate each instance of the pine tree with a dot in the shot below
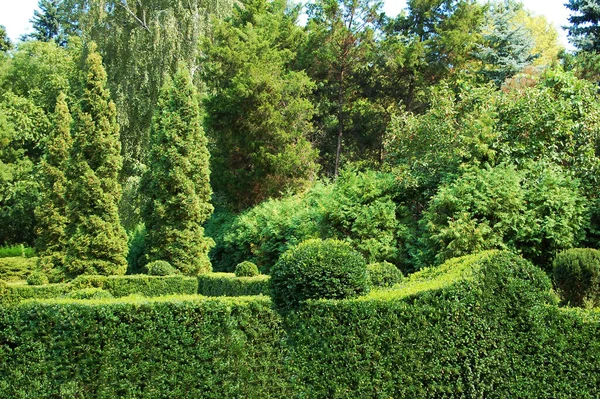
(584, 31)
(46, 23)
(51, 218)
(97, 243)
(176, 186)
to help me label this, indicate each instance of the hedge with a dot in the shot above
(120, 286)
(117, 286)
(479, 326)
(227, 284)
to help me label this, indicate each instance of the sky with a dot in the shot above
(15, 14)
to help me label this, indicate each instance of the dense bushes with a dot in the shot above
(537, 211)
(577, 276)
(360, 208)
(16, 268)
(246, 269)
(477, 326)
(317, 269)
(384, 274)
(227, 284)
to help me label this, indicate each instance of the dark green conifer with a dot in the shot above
(97, 243)
(176, 186)
(51, 218)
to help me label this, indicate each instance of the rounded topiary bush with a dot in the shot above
(37, 278)
(318, 269)
(90, 293)
(577, 276)
(160, 268)
(246, 269)
(384, 274)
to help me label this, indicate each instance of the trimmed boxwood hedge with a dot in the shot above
(117, 286)
(479, 326)
(227, 284)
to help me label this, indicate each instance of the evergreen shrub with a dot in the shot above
(16, 268)
(246, 269)
(120, 286)
(577, 276)
(384, 274)
(318, 269)
(37, 278)
(160, 268)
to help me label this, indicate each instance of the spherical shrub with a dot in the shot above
(384, 274)
(246, 269)
(160, 268)
(577, 276)
(37, 278)
(317, 269)
(90, 293)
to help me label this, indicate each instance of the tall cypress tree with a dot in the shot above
(176, 186)
(51, 213)
(97, 243)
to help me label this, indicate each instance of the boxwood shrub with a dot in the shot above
(318, 269)
(384, 274)
(246, 269)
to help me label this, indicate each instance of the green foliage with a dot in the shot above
(96, 241)
(89, 293)
(263, 233)
(317, 269)
(18, 292)
(228, 284)
(246, 269)
(176, 186)
(577, 276)
(258, 112)
(160, 268)
(384, 274)
(363, 212)
(538, 212)
(16, 268)
(51, 213)
(37, 278)
(17, 250)
(137, 249)
(150, 286)
(5, 43)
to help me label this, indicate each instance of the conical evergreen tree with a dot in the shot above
(176, 186)
(51, 218)
(97, 243)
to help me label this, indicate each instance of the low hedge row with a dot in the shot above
(120, 286)
(227, 284)
(480, 326)
(117, 286)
